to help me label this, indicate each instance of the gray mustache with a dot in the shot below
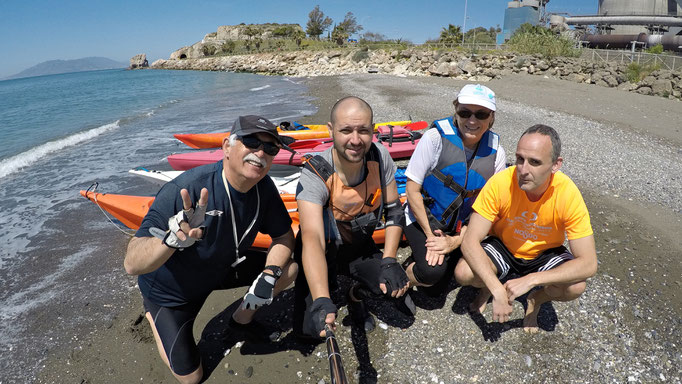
(252, 157)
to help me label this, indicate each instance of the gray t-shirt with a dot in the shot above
(313, 189)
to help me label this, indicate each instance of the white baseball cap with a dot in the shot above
(477, 94)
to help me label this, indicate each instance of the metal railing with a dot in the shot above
(465, 46)
(670, 62)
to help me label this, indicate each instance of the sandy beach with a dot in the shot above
(623, 150)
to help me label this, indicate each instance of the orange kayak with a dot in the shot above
(314, 131)
(130, 210)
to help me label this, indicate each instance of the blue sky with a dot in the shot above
(33, 31)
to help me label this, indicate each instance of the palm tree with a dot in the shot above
(298, 36)
(451, 35)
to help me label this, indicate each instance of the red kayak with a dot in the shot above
(130, 210)
(401, 146)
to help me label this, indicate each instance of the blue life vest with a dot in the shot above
(450, 189)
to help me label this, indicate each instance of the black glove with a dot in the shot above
(316, 315)
(260, 292)
(392, 274)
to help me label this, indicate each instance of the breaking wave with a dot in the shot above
(24, 159)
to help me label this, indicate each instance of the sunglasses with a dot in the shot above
(479, 115)
(252, 142)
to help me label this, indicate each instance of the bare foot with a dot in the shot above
(530, 321)
(479, 303)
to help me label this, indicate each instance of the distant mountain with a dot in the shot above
(54, 67)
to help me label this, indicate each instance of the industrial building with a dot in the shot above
(641, 8)
(630, 24)
(618, 23)
(520, 12)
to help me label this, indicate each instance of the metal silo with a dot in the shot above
(639, 8)
(520, 12)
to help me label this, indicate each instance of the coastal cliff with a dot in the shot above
(226, 34)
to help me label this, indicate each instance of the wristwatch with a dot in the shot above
(276, 271)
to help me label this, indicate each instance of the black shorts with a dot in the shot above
(506, 263)
(175, 324)
(361, 262)
(423, 272)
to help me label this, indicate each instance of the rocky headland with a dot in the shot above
(227, 34)
(423, 62)
(139, 61)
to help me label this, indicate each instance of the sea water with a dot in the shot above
(60, 258)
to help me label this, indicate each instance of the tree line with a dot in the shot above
(528, 38)
(318, 23)
(452, 35)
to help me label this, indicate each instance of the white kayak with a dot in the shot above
(285, 176)
(156, 177)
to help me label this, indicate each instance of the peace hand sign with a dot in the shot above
(185, 226)
(194, 217)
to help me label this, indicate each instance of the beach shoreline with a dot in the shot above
(625, 328)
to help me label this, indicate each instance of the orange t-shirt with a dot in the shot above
(528, 228)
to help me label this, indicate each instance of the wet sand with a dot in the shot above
(637, 287)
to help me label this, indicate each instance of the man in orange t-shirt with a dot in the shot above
(527, 211)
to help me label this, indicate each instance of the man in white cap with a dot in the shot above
(449, 167)
(520, 221)
(196, 237)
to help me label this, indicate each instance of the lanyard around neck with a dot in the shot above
(237, 242)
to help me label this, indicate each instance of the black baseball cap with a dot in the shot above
(252, 124)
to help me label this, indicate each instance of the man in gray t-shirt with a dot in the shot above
(342, 195)
(317, 192)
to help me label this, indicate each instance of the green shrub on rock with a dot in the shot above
(530, 39)
(228, 47)
(284, 31)
(360, 55)
(656, 49)
(637, 72)
(208, 50)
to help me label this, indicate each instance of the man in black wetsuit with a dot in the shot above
(196, 237)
